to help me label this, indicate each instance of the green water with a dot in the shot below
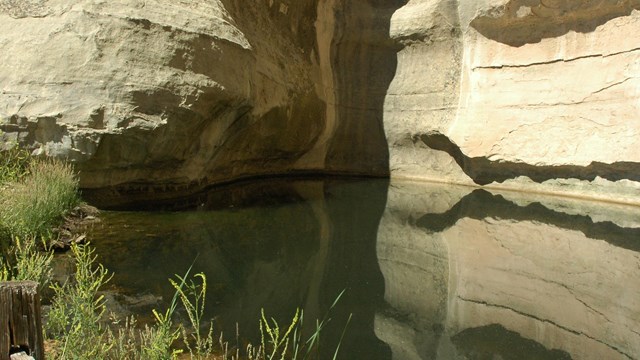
(430, 272)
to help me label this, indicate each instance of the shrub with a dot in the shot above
(23, 261)
(14, 164)
(74, 318)
(36, 202)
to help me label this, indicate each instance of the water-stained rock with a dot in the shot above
(530, 95)
(159, 98)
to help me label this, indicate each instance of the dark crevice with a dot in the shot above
(364, 62)
(547, 22)
(484, 171)
(481, 204)
(144, 196)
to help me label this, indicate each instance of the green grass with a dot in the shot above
(14, 164)
(290, 343)
(23, 261)
(34, 201)
(76, 311)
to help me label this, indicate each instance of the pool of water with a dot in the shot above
(429, 271)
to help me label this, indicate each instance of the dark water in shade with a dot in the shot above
(430, 272)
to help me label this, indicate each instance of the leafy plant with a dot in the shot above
(74, 318)
(158, 339)
(192, 296)
(24, 262)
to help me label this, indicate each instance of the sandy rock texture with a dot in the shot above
(156, 98)
(153, 97)
(533, 95)
(477, 265)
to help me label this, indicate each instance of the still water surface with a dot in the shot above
(430, 271)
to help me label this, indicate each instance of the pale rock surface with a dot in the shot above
(21, 356)
(125, 84)
(156, 98)
(518, 88)
(423, 96)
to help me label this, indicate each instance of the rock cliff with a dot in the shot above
(157, 98)
(536, 95)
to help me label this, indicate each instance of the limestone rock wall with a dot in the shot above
(156, 98)
(536, 95)
(153, 97)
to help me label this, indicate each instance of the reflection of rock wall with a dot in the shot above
(552, 285)
(567, 281)
(415, 266)
(533, 94)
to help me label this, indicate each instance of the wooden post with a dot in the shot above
(20, 319)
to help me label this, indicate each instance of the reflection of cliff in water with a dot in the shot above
(479, 276)
(431, 272)
(276, 245)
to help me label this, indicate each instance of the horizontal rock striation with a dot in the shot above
(530, 95)
(159, 98)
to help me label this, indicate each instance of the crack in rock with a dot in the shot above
(551, 322)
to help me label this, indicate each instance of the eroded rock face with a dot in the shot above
(156, 98)
(538, 95)
(163, 96)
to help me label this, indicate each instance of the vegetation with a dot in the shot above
(14, 164)
(291, 344)
(74, 318)
(35, 195)
(23, 261)
(34, 200)
(193, 296)
(76, 323)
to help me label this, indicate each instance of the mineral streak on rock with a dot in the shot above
(530, 95)
(157, 98)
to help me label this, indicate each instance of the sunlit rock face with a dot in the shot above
(160, 96)
(540, 95)
(484, 275)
